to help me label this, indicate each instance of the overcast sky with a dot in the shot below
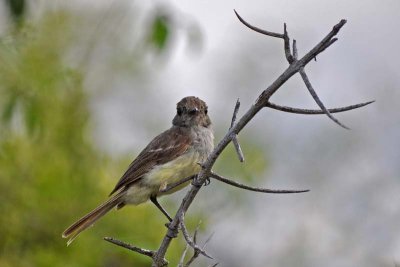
(350, 217)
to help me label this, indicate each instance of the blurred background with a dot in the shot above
(85, 85)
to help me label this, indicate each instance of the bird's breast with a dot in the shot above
(171, 172)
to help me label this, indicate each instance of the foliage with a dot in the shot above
(50, 171)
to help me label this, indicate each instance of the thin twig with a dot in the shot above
(254, 28)
(315, 111)
(142, 251)
(286, 45)
(189, 240)
(196, 252)
(255, 189)
(295, 55)
(317, 100)
(235, 141)
(235, 111)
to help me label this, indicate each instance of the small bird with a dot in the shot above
(170, 157)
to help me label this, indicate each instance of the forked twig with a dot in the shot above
(291, 57)
(189, 240)
(192, 243)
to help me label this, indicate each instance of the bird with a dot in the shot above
(173, 155)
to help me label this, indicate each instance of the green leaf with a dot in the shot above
(160, 31)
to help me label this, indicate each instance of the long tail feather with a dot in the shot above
(89, 219)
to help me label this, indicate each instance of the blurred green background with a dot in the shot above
(51, 170)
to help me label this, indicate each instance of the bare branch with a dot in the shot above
(325, 46)
(317, 100)
(146, 252)
(196, 252)
(193, 244)
(321, 46)
(315, 111)
(295, 50)
(189, 240)
(235, 141)
(235, 112)
(255, 189)
(272, 34)
(260, 103)
(286, 45)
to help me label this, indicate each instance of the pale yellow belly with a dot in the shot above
(163, 175)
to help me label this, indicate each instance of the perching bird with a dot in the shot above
(170, 157)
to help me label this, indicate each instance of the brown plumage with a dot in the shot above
(169, 157)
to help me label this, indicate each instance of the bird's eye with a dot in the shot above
(206, 111)
(193, 111)
(179, 111)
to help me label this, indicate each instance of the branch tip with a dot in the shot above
(255, 189)
(315, 111)
(146, 252)
(256, 29)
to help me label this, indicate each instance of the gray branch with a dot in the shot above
(146, 252)
(260, 103)
(295, 66)
(255, 189)
(315, 111)
(317, 100)
(235, 141)
(191, 242)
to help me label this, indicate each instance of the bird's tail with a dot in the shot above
(89, 219)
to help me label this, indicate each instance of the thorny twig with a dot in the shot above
(189, 240)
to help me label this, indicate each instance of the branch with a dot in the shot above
(196, 253)
(260, 103)
(189, 240)
(146, 252)
(235, 141)
(255, 189)
(315, 111)
(317, 100)
(193, 244)
(286, 45)
(254, 28)
(292, 58)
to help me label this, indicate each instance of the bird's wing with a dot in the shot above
(164, 148)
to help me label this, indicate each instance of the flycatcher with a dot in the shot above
(171, 156)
